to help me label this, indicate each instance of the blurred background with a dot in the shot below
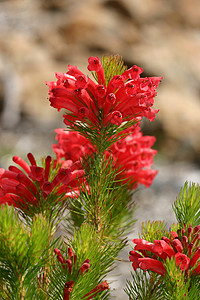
(41, 37)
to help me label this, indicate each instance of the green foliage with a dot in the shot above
(22, 254)
(87, 245)
(112, 65)
(187, 205)
(144, 286)
(177, 285)
(194, 292)
(153, 230)
(104, 202)
(102, 137)
(76, 214)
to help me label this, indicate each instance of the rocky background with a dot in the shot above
(40, 37)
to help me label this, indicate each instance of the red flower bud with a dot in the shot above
(84, 268)
(57, 251)
(177, 245)
(70, 252)
(182, 261)
(68, 288)
(69, 265)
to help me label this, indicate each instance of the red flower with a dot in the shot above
(125, 97)
(132, 154)
(182, 261)
(95, 65)
(134, 258)
(152, 265)
(68, 265)
(183, 246)
(85, 266)
(34, 184)
(68, 288)
(71, 145)
(71, 261)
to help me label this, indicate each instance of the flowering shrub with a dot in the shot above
(102, 156)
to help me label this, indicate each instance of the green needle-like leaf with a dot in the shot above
(144, 286)
(187, 205)
(22, 253)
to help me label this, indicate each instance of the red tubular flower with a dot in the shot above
(92, 103)
(195, 257)
(57, 251)
(134, 258)
(132, 155)
(151, 256)
(60, 258)
(162, 249)
(115, 117)
(84, 267)
(71, 261)
(31, 186)
(142, 245)
(152, 265)
(69, 265)
(177, 245)
(95, 65)
(68, 288)
(19, 161)
(70, 252)
(182, 261)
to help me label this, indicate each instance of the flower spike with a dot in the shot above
(87, 101)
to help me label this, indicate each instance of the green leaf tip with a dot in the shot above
(112, 65)
(187, 205)
(154, 230)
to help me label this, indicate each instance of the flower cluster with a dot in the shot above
(32, 184)
(132, 155)
(183, 246)
(68, 264)
(71, 146)
(72, 258)
(124, 98)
